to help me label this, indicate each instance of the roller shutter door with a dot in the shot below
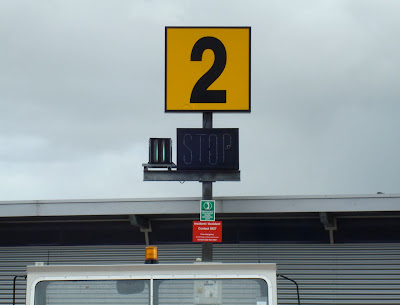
(326, 274)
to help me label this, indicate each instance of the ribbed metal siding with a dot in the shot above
(326, 274)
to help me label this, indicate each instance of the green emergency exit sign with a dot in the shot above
(207, 210)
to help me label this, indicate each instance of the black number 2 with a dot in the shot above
(200, 94)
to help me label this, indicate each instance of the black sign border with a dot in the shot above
(205, 27)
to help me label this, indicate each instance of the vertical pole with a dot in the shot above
(207, 248)
(207, 120)
(14, 289)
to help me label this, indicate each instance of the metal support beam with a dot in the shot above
(191, 175)
(329, 221)
(144, 224)
(146, 236)
(139, 221)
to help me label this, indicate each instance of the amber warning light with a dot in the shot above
(151, 256)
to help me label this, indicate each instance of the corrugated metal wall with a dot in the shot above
(326, 274)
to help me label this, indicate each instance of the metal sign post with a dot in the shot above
(207, 248)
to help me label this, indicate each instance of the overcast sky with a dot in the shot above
(82, 91)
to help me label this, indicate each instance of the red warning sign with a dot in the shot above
(207, 231)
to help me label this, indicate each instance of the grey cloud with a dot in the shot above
(82, 90)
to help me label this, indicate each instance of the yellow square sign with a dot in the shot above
(207, 69)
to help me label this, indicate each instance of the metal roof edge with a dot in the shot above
(190, 206)
(161, 199)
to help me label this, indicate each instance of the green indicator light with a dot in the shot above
(163, 150)
(156, 150)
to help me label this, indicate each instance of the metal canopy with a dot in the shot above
(185, 206)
